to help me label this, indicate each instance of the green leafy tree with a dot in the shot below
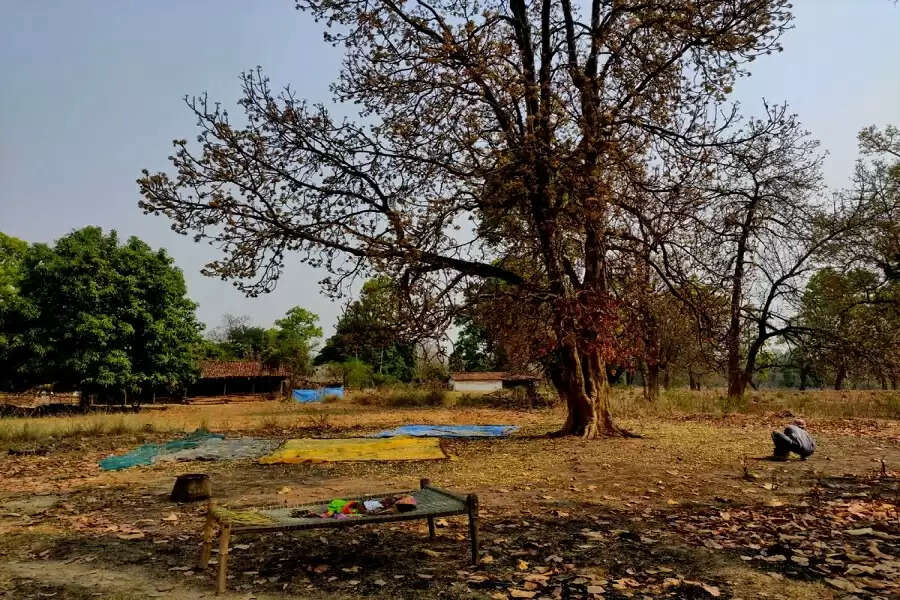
(239, 339)
(370, 330)
(475, 348)
(14, 309)
(106, 317)
(853, 322)
(290, 341)
(12, 255)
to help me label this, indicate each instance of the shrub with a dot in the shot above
(320, 423)
(403, 397)
(356, 374)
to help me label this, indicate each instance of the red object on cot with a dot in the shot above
(406, 504)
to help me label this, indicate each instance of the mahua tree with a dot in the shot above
(502, 141)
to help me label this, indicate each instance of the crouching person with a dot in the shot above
(794, 439)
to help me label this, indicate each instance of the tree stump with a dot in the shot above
(191, 487)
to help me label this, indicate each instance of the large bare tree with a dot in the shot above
(495, 140)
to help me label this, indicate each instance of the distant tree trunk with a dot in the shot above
(642, 367)
(804, 377)
(840, 376)
(614, 374)
(735, 374)
(693, 379)
(651, 384)
(666, 377)
(884, 384)
(893, 382)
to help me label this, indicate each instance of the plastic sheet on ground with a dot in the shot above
(147, 453)
(318, 394)
(356, 449)
(223, 449)
(449, 431)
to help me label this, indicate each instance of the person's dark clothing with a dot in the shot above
(794, 439)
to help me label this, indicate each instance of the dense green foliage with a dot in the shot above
(853, 321)
(288, 343)
(101, 316)
(369, 331)
(475, 348)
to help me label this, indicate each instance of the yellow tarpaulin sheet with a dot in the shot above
(398, 448)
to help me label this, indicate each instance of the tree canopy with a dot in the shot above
(102, 316)
(288, 343)
(530, 155)
(371, 330)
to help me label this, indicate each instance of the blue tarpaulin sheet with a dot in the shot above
(147, 453)
(317, 395)
(307, 396)
(449, 431)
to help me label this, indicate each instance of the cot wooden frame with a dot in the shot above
(464, 505)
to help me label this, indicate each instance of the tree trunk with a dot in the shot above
(735, 374)
(736, 382)
(893, 382)
(642, 367)
(651, 385)
(580, 379)
(839, 377)
(693, 380)
(804, 376)
(666, 377)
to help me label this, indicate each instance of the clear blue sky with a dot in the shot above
(91, 93)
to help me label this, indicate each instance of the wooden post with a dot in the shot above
(207, 537)
(424, 483)
(224, 538)
(472, 505)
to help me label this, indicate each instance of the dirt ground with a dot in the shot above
(688, 510)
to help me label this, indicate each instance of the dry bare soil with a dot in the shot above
(685, 511)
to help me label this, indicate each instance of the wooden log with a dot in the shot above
(191, 487)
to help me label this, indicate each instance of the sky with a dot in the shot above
(91, 92)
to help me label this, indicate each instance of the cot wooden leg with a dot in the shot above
(424, 483)
(207, 541)
(472, 504)
(224, 538)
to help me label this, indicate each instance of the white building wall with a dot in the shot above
(489, 385)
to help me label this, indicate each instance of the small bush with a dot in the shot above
(319, 423)
(403, 397)
(269, 422)
(330, 398)
(513, 398)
